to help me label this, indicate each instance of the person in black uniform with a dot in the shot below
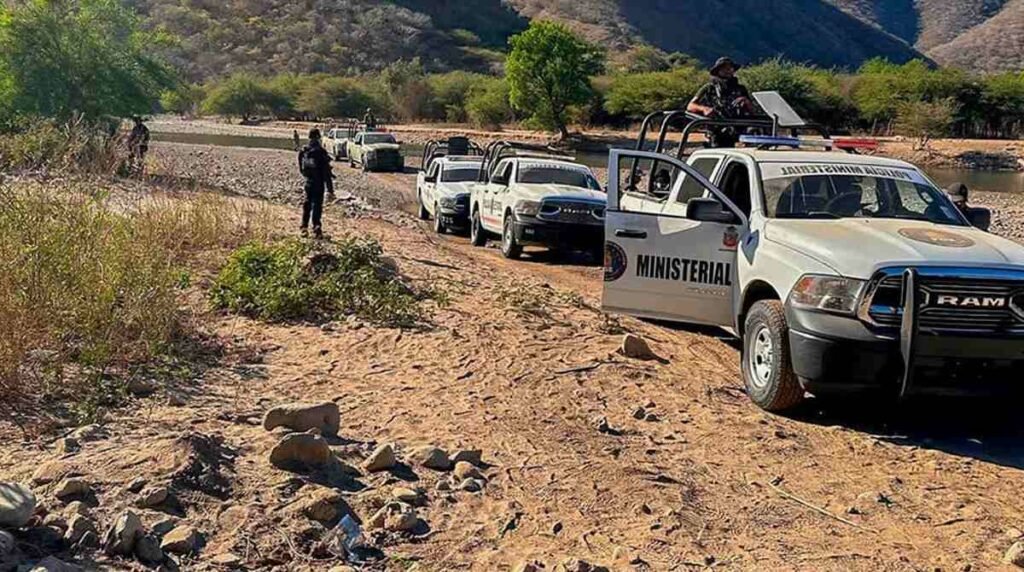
(723, 97)
(138, 144)
(315, 165)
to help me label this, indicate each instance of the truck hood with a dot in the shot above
(551, 191)
(856, 248)
(454, 189)
(381, 147)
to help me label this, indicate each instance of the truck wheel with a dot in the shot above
(366, 167)
(477, 234)
(439, 227)
(351, 163)
(509, 247)
(767, 366)
(423, 214)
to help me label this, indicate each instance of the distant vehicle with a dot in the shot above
(447, 172)
(530, 195)
(840, 272)
(336, 143)
(375, 151)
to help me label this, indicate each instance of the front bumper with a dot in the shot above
(836, 354)
(385, 163)
(454, 217)
(532, 231)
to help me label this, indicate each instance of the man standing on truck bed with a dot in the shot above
(723, 97)
(315, 165)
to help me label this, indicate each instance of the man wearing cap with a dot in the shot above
(315, 166)
(723, 97)
(959, 194)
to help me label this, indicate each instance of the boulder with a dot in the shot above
(17, 503)
(471, 456)
(87, 433)
(89, 540)
(49, 472)
(72, 488)
(464, 470)
(431, 458)
(407, 495)
(321, 505)
(120, 538)
(394, 517)
(56, 521)
(227, 560)
(141, 387)
(302, 417)
(382, 459)
(78, 527)
(1015, 555)
(300, 449)
(633, 346)
(76, 508)
(148, 551)
(51, 564)
(153, 497)
(471, 485)
(67, 446)
(182, 540)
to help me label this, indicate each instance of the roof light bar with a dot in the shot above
(767, 141)
(854, 143)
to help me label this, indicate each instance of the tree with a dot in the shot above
(59, 59)
(636, 95)
(183, 100)
(549, 70)
(926, 120)
(408, 92)
(487, 104)
(334, 97)
(241, 95)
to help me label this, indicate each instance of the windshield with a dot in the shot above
(571, 177)
(460, 175)
(375, 138)
(822, 191)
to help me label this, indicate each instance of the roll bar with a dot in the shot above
(498, 150)
(435, 149)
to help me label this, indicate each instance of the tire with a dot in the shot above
(509, 247)
(477, 234)
(767, 365)
(366, 167)
(439, 227)
(423, 214)
(351, 163)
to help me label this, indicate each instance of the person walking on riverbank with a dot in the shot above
(315, 166)
(138, 145)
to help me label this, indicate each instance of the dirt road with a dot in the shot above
(634, 465)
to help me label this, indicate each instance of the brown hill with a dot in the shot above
(994, 46)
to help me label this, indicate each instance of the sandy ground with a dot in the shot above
(522, 365)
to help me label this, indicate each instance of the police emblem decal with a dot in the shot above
(615, 262)
(731, 239)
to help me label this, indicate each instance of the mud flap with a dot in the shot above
(909, 328)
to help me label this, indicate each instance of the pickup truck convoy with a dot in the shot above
(840, 272)
(529, 195)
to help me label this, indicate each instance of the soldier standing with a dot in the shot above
(138, 145)
(369, 120)
(315, 165)
(723, 97)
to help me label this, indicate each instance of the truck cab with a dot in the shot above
(530, 195)
(375, 150)
(336, 143)
(840, 272)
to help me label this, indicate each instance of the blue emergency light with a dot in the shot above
(769, 141)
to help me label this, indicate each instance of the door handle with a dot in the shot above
(622, 233)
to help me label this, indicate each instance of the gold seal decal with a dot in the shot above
(937, 237)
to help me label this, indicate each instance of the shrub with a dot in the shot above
(925, 120)
(636, 95)
(487, 104)
(77, 146)
(300, 280)
(334, 97)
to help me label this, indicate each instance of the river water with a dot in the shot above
(992, 181)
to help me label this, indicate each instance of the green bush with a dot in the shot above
(34, 144)
(487, 104)
(300, 280)
(636, 95)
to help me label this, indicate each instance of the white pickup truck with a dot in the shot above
(529, 196)
(840, 272)
(443, 191)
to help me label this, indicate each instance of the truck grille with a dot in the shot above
(981, 304)
(572, 212)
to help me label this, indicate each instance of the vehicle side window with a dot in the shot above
(736, 185)
(689, 188)
(359, 140)
(504, 170)
(433, 170)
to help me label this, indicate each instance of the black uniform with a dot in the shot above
(138, 142)
(315, 165)
(721, 94)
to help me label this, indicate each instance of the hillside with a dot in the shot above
(992, 46)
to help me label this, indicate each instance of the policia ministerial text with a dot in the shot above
(684, 270)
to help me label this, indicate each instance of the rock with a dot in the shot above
(395, 517)
(431, 458)
(1014, 533)
(605, 427)
(54, 520)
(137, 485)
(464, 470)
(77, 527)
(17, 503)
(51, 564)
(141, 387)
(72, 488)
(633, 346)
(175, 400)
(407, 495)
(577, 565)
(471, 456)
(342, 569)
(443, 485)
(866, 502)
(652, 418)
(49, 472)
(639, 413)
(87, 433)
(162, 527)
(382, 459)
(300, 449)
(148, 551)
(76, 508)
(227, 560)
(67, 446)
(472, 485)
(531, 566)
(120, 538)
(182, 540)
(1015, 555)
(6, 544)
(90, 540)
(322, 505)
(153, 497)
(303, 417)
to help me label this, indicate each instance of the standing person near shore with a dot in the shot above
(315, 166)
(296, 140)
(138, 145)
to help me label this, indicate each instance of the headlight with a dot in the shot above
(527, 208)
(827, 293)
(448, 202)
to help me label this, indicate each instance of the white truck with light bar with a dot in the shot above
(447, 173)
(840, 272)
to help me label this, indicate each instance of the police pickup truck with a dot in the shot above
(375, 150)
(840, 272)
(444, 181)
(528, 195)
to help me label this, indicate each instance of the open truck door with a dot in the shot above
(676, 263)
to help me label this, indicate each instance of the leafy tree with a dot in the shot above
(408, 92)
(549, 70)
(241, 95)
(449, 92)
(926, 120)
(183, 100)
(335, 97)
(88, 57)
(487, 104)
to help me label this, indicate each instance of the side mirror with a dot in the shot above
(500, 180)
(979, 217)
(431, 179)
(709, 210)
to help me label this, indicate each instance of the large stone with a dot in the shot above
(431, 458)
(78, 527)
(182, 540)
(1015, 555)
(633, 346)
(471, 456)
(121, 537)
(531, 566)
(72, 488)
(49, 472)
(51, 564)
(153, 497)
(300, 449)
(148, 551)
(303, 417)
(67, 446)
(76, 508)
(394, 517)
(17, 503)
(382, 459)
(408, 496)
(227, 560)
(322, 505)
(464, 470)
